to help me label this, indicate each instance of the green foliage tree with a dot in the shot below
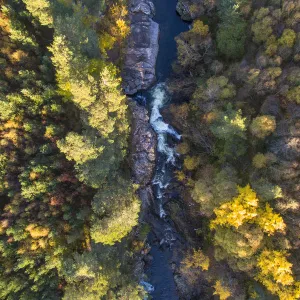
(231, 34)
(264, 20)
(79, 148)
(229, 128)
(116, 212)
(217, 87)
(40, 9)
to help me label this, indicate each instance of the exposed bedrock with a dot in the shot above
(142, 48)
(143, 145)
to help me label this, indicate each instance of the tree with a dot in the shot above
(266, 190)
(200, 28)
(231, 39)
(18, 32)
(221, 290)
(216, 87)
(61, 59)
(215, 188)
(238, 244)
(269, 221)
(259, 161)
(229, 128)
(240, 210)
(263, 126)
(275, 273)
(288, 38)
(40, 9)
(293, 94)
(196, 260)
(116, 211)
(194, 45)
(264, 20)
(231, 34)
(193, 265)
(80, 148)
(3, 166)
(191, 162)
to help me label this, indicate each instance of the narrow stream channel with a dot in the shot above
(159, 272)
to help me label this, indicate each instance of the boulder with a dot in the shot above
(143, 145)
(142, 48)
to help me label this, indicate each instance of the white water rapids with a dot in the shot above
(166, 154)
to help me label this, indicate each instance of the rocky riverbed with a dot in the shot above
(142, 48)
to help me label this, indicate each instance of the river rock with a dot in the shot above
(143, 145)
(142, 48)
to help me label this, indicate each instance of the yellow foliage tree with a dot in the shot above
(200, 28)
(191, 162)
(275, 273)
(245, 209)
(269, 221)
(41, 10)
(37, 231)
(241, 209)
(259, 161)
(196, 260)
(221, 290)
(263, 126)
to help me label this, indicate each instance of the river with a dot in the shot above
(159, 271)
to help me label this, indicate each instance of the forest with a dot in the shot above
(72, 225)
(66, 193)
(237, 88)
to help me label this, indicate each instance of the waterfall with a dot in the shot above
(166, 154)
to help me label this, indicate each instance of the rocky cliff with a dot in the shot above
(142, 48)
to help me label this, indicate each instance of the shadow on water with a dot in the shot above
(159, 271)
(170, 25)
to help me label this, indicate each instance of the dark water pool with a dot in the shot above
(170, 25)
(160, 274)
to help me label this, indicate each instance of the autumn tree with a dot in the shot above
(263, 126)
(275, 273)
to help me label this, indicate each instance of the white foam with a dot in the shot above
(149, 288)
(162, 213)
(162, 129)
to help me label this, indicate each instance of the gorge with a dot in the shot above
(148, 54)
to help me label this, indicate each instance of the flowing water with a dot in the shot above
(159, 272)
(166, 153)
